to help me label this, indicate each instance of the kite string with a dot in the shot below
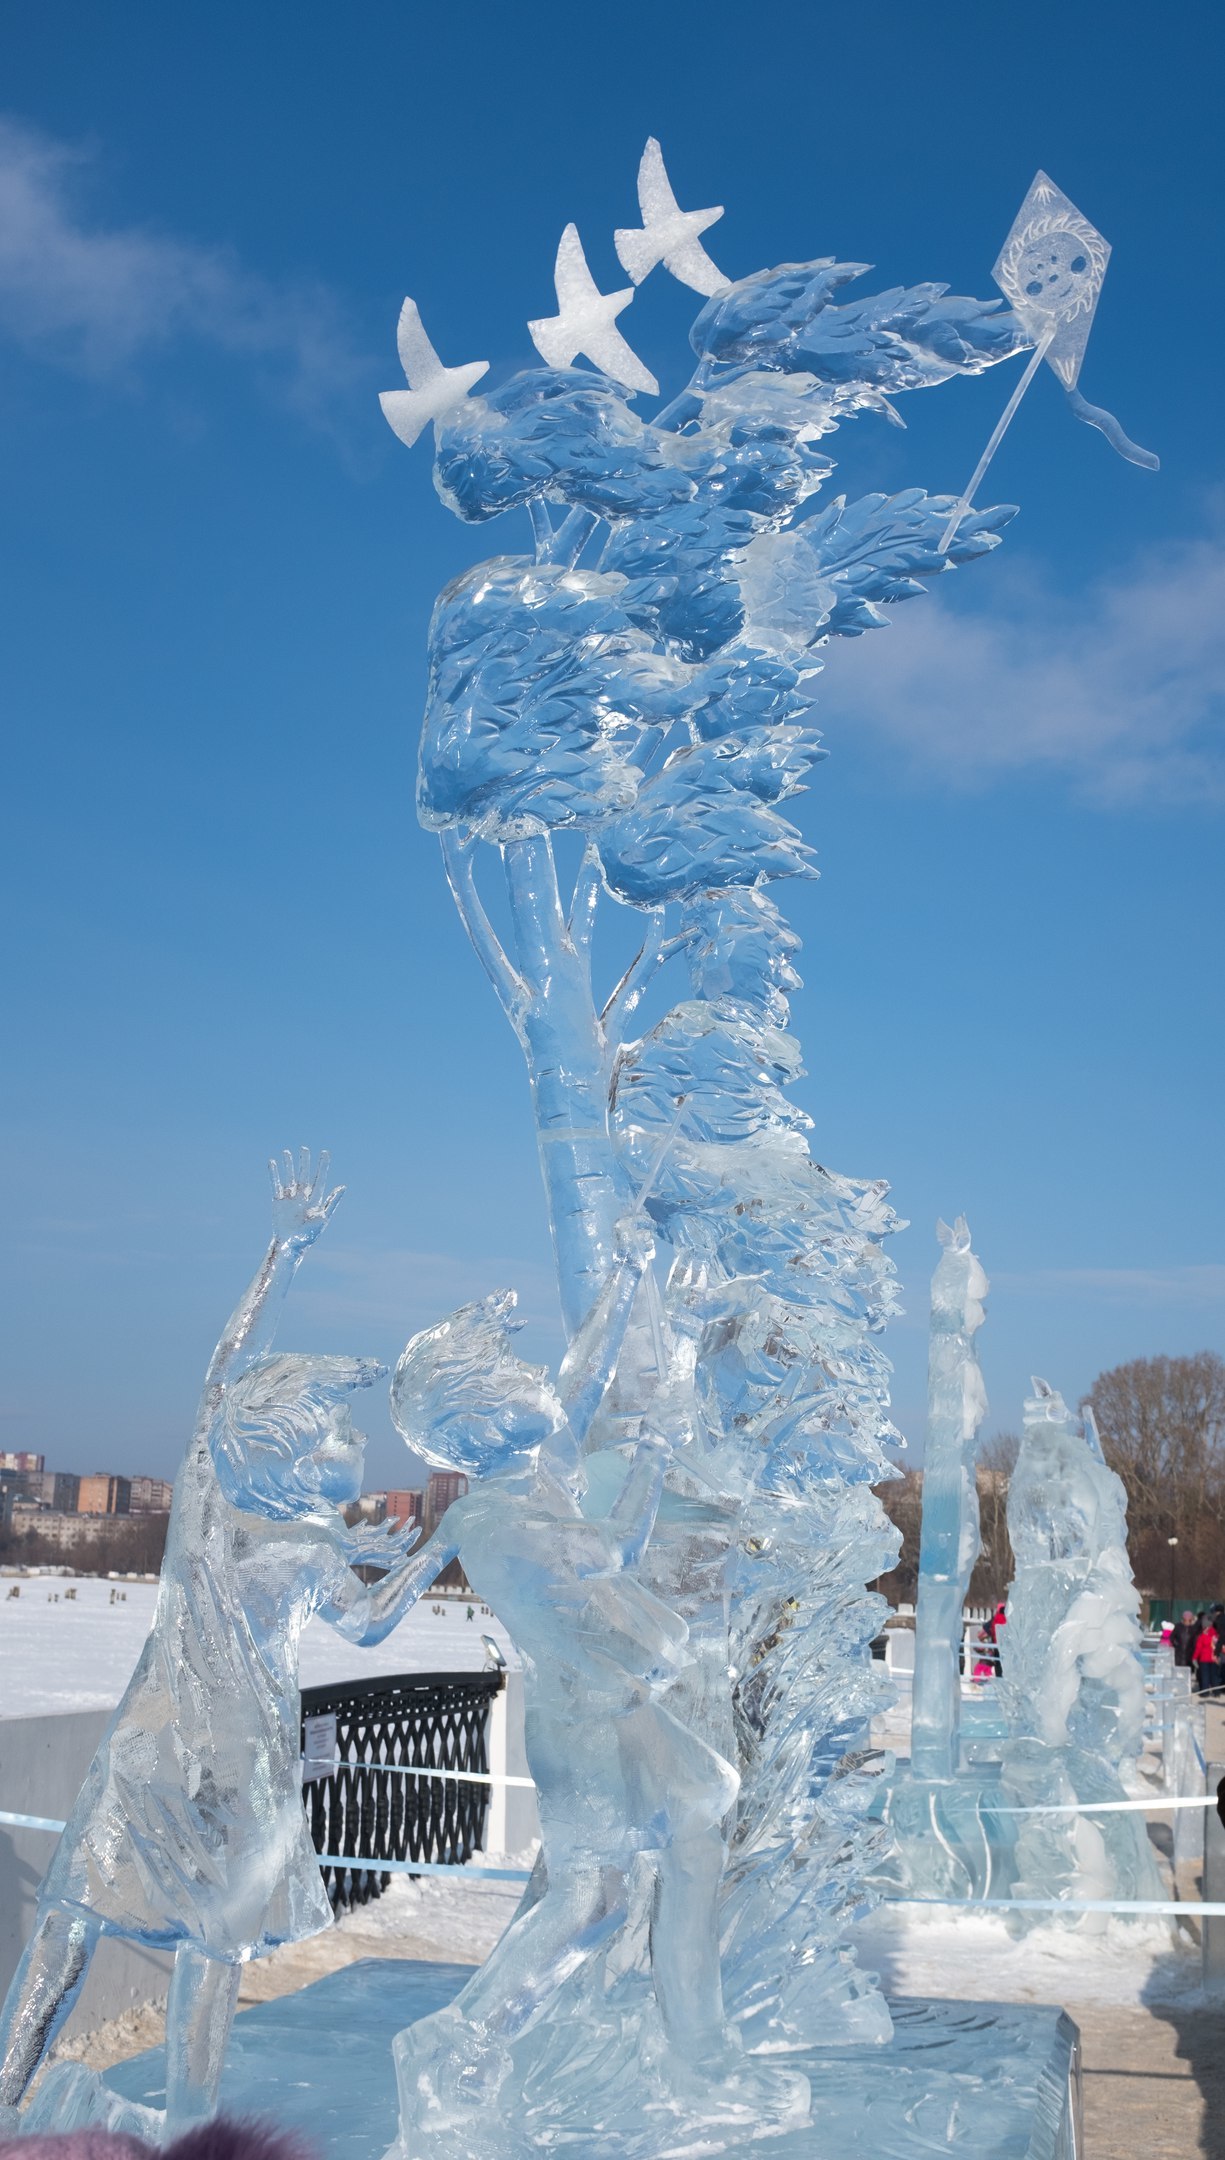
(962, 505)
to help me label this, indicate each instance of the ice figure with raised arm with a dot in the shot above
(189, 1832)
(623, 1781)
(1072, 1683)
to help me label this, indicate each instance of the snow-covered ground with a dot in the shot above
(59, 1653)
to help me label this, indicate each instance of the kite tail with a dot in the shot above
(1096, 416)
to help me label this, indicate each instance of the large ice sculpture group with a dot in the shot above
(678, 1532)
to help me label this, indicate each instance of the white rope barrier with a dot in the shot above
(1184, 1910)
(457, 1869)
(468, 1777)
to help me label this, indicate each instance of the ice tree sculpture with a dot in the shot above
(614, 725)
(1072, 1684)
(949, 1543)
(189, 1831)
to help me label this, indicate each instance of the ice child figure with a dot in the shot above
(617, 1774)
(189, 1829)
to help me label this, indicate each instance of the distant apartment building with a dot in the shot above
(150, 1496)
(102, 1494)
(58, 1489)
(405, 1508)
(21, 1461)
(369, 1507)
(444, 1487)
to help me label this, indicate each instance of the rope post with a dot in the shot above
(1213, 1931)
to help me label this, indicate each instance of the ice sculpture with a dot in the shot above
(614, 725)
(947, 1839)
(619, 1773)
(1072, 1682)
(949, 1543)
(1050, 270)
(189, 1830)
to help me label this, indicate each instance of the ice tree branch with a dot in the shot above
(654, 953)
(583, 904)
(542, 529)
(571, 538)
(512, 992)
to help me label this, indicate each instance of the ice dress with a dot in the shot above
(189, 1826)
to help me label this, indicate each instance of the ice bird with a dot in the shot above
(668, 234)
(433, 389)
(586, 321)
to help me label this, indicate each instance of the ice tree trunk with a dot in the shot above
(564, 1047)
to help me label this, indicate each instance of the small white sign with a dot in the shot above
(319, 1752)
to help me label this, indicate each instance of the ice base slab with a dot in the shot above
(974, 2081)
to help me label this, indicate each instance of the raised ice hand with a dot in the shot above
(301, 1204)
(382, 1545)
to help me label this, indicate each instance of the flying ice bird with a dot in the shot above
(433, 389)
(668, 235)
(586, 321)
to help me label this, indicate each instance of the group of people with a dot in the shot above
(1198, 1640)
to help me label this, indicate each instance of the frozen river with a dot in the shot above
(60, 1653)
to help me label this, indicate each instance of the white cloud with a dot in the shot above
(1119, 690)
(98, 298)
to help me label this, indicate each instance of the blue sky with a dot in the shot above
(227, 931)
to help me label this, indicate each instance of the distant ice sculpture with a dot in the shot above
(946, 1841)
(614, 724)
(1072, 1684)
(949, 1543)
(189, 1831)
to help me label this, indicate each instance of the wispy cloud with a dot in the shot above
(1119, 689)
(1202, 1285)
(99, 298)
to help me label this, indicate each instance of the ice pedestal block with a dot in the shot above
(976, 2081)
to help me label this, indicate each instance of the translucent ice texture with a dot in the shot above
(1072, 1682)
(644, 679)
(956, 1407)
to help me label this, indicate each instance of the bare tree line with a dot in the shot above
(1162, 1422)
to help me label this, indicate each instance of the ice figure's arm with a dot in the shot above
(367, 1612)
(301, 1206)
(591, 1360)
(632, 1516)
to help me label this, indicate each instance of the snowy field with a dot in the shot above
(59, 1653)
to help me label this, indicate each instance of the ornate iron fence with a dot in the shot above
(368, 1808)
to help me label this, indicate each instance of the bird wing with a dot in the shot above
(417, 356)
(656, 197)
(692, 265)
(406, 413)
(608, 349)
(573, 280)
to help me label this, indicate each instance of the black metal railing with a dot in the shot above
(367, 1809)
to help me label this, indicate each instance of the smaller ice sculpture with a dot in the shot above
(189, 1830)
(957, 1405)
(623, 1780)
(944, 1845)
(1072, 1684)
